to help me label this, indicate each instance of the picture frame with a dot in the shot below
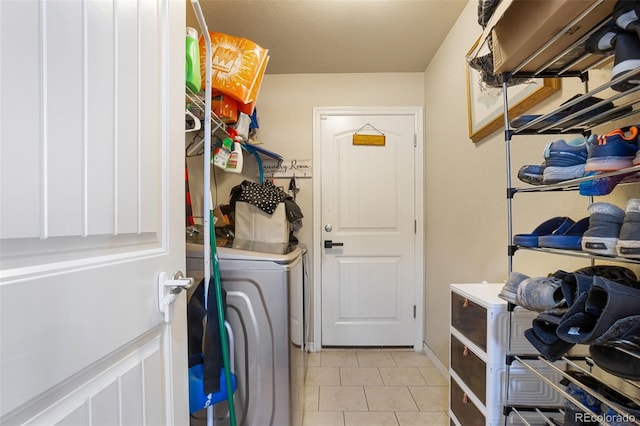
(485, 105)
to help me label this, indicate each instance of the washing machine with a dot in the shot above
(266, 311)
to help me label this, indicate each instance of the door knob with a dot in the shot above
(331, 244)
(169, 286)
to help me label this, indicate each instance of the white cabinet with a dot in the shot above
(479, 338)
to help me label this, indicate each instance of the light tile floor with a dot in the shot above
(374, 387)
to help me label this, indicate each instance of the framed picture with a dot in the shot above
(485, 104)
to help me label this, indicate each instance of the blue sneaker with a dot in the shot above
(612, 151)
(564, 161)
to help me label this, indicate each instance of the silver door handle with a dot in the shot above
(169, 286)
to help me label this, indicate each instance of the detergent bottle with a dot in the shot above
(192, 66)
(222, 153)
(234, 165)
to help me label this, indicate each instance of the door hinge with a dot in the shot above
(414, 311)
(415, 226)
(415, 141)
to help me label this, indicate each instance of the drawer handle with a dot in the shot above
(465, 304)
(465, 351)
(465, 399)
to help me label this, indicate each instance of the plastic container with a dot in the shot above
(222, 154)
(234, 165)
(193, 78)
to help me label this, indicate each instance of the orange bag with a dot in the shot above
(237, 66)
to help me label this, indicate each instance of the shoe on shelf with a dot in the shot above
(599, 186)
(612, 151)
(626, 15)
(603, 41)
(629, 238)
(539, 294)
(571, 239)
(558, 224)
(510, 288)
(627, 59)
(532, 174)
(551, 351)
(593, 313)
(564, 160)
(590, 101)
(605, 221)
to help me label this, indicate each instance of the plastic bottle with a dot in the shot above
(234, 165)
(192, 66)
(222, 154)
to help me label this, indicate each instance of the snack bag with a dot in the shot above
(237, 66)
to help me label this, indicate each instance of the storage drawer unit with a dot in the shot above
(479, 339)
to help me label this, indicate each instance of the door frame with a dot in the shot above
(418, 113)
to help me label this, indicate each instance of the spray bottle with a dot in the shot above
(234, 165)
(222, 153)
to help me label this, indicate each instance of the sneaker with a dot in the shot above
(510, 288)
(564, 161)
(629, 238)
(531, 174)
(601, 237)
(539, 294)
(626, 15)
(612, 151)
(599, 186)
(627, 59)
(603, 41)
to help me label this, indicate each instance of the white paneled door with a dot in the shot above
(370, 228)
(91, 211)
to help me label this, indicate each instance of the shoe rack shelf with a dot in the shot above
(628, 104)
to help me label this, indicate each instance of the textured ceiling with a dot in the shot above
(336, 36)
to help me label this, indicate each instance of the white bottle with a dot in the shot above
(234, 165)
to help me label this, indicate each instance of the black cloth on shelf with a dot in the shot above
(266, 196)
(201, 321)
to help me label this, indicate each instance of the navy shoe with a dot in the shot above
(612, 151)
(627, 59)
(563, 113)
(571, 239)
(603, 41)
(564, 161)
(626, 15)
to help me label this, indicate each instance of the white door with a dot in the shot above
(371, 281)
(92, 210)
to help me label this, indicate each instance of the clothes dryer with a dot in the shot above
(265, 308)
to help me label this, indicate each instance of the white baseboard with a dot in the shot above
(443, 369)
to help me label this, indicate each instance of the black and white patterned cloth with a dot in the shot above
(264, 196)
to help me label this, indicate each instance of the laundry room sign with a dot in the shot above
(287, 168)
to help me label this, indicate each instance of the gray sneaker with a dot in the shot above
(629, 239)
(605, 221)
(540, 294)
(510, 287)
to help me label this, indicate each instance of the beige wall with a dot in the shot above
(466, 205)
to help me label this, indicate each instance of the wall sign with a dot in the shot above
(287, 168)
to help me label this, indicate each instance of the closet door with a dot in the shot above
(91, 211)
